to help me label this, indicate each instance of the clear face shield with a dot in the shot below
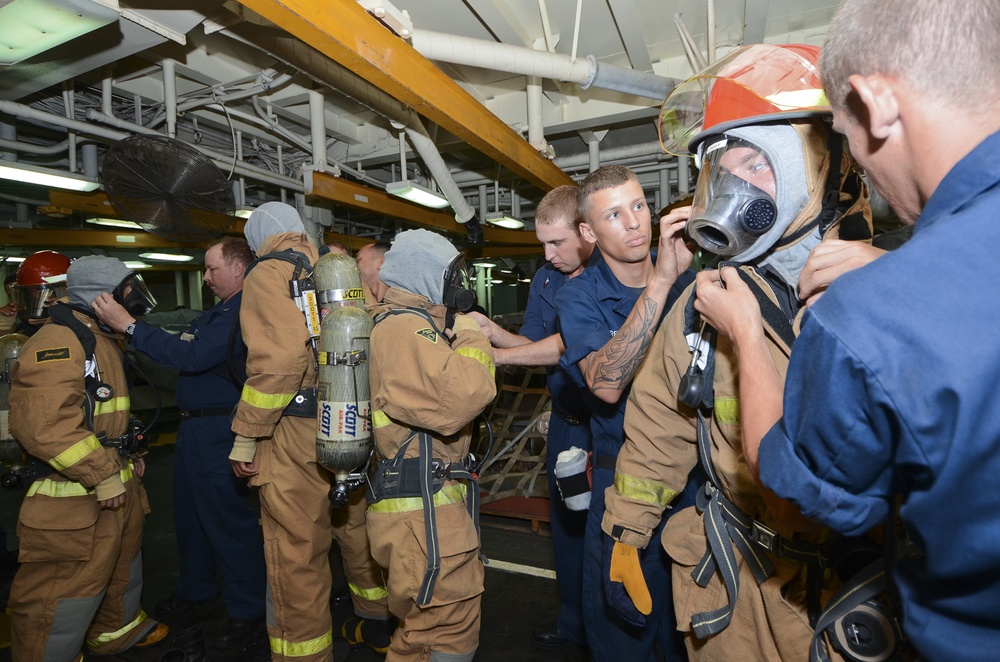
(735, 201)
(33, 301)
(458, 293)
(137, 300)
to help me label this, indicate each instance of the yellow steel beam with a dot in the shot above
(46, 238)
(344, 32)
(359, 196)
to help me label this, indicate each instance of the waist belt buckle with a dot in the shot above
(765, 537)
(185, 414)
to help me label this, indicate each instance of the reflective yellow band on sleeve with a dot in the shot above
(255, 398)
(111, 406)
(108, 637)
(75, 453)
(380, 419)
(647, 491)
(372, 594)
(480, 356)
(301, 648)
(447, 494)
(727, 411)
(62, 488)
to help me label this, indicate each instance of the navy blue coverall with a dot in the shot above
(568, 426)
(217, 529)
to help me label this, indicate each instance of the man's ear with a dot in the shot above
(587, 234)
(878, 96)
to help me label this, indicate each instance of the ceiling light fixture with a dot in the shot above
(114, 223)
(417, 193)
(243, 212)
(34, 26)
(502, 220)
(137, 264)
(485, 264)
(166, 257)
(30, 174)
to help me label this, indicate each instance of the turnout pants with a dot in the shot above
(81, 572)
(448, 627)
(364, 575)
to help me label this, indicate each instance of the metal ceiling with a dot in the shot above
(309, 101)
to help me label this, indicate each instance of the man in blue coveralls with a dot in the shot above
(538, 343)
(607, 318)
(218, 533)
(891, 394)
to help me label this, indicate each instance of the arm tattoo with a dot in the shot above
(616, 364)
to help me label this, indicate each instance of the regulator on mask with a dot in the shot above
(735, 200)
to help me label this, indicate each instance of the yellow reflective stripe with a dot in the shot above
(61, 488)
(255, 398)
(117, 634)
(640, 489)
(447, 494)
(301, 648)
(380, 419)
(112, 405)
(75, 453)
(480, 356)
(376, 593)
(727, 411)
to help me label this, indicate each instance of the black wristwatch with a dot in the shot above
(130, 329)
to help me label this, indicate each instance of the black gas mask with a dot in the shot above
(139, 300)
(458, 293)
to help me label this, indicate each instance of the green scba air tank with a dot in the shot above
(344, 428)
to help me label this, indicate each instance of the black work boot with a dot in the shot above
(239, 632)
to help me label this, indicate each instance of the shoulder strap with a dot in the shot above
(415, 311)
(773, 316)
(62, 315)
(290, 255)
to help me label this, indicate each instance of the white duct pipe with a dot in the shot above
(428, 151)
(536, 126)
(170, 96)
(483, 207)
(8, 140)
(106, 92)
(529, 62)
(29, 148)
(29, 113)
(317, 127)
(88, 153)
(711, 31)
(683, 176)
(691, 50)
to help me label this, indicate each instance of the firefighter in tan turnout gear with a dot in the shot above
(774, 182)
(427, 386)
(275, 447)
(80, 526)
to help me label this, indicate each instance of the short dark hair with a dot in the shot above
(235, 249)
(558, 206)
(381, 246)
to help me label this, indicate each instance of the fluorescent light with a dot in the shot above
(35, 26)
(502, 220)
(524, 280)
(417, 193)
(137, 264)
(114, 223)
(496, 281)
(44, 177)
(166, 257)
(14, 260)
(243, 212)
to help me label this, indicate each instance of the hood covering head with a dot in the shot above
(92, 275)
(417, 263)
(268, 219)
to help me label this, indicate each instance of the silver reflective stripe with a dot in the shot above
(438, 656)
(133, 591)
(69, 627)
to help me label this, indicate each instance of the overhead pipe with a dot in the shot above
(170, 96)
(436, 167)
(317, 126)
(711, 31)
(69, 103)
(8, 139)
(28, 113)
(587, 72)
(691, 50)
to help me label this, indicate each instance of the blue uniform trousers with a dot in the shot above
(609, 637)
(218, 532)
(568, 528)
